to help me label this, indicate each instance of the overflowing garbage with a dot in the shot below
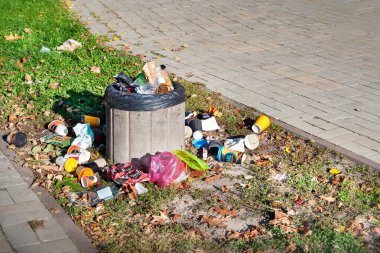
(93, 180)
(154, 79)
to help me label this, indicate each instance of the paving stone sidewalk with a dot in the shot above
(312, 64)
(18, 206)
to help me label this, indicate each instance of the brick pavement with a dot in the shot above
(18, 206)
(312, 64)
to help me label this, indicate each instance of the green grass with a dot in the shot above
(52, 25)
(116, 227)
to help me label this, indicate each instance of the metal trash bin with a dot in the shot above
(137, 124)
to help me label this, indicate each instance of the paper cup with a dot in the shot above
(58, 127)
(251, 141)
(92, 120)
(73, 149)
(88, 181)
(197, 135)
(84, 172)
(188, 132)
(19, 139)
(261, 124)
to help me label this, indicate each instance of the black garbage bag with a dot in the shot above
(120, 99)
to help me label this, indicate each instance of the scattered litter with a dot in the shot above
(199, 143)
(85, 136)
(261, 124)
(19, 139)
(45, 50)
(188, 132)
(251, 141)
(191, 160)
(140, 188)
(69, 45)
(334, 171)
(165, 168)
(235, 144)
(92, 120)
(230, 156)
(58, 127)
(56, 140)
(210, 124)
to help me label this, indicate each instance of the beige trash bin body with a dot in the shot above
(132, 134)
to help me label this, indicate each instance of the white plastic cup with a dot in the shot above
(251, 141)
(197, 135)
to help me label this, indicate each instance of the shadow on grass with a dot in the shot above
(77, 103)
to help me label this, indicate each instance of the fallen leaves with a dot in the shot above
(180, 49)
(28, 79)
(95, 69)
(20, 63)
(262, 163)
(329, 199)
(213, 221)
(197, 174)
(224, 211)
(49, 167)
(291, 247)
(283, 221)
(160, 219)
(12, 118)
(213, 178)
(12, 37)
(27, 30)
(250, 234)
(224, 188)
(53, 85)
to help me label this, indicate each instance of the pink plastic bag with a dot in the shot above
(165, 168)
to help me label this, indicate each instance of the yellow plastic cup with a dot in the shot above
(71, 165)
(93, 121)
(261, 124)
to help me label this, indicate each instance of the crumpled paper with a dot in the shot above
(69, 45)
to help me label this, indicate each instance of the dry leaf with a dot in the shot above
(197, 174)
(49, 167)
(127, 48)
(291, 248)
(224, 211)
(12, 37)
(252, 233)
(12, 118)
(212, 178)
(262, 162)
(95, 69)
(177, 58)
(224, 188)
(28, 78)
(160, 219)
(53, 86)
(328, 198)
(213, 221)
(176, 216)
(233, 235)
(28, 30)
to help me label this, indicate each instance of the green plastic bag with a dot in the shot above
(191, 160)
